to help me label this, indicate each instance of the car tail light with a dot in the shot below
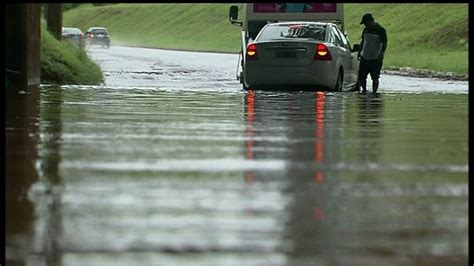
(322, 52)
(252, 51)
(90, 35)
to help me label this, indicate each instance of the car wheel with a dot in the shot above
(245, 87)
(339, 81)
(242, 79)
(356, 86)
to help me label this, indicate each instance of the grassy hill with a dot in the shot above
(62, 63)
(428, 36)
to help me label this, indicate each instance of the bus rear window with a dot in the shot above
(294, 7)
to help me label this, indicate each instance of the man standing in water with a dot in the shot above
(373, 46)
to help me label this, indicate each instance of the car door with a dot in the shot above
(346, 57)
(353, 63)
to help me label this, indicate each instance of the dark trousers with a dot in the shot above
(369, 66)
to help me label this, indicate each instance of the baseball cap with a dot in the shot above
(367, 17)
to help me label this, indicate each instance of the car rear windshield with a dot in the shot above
(300, 31)
(71, 31)
(99, 31)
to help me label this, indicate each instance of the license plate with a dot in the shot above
(286, 54)
(100, 36)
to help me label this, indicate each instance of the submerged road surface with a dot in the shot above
(170, 162)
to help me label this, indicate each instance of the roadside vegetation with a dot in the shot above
(63, 63)
(424, 36)
(428, 36)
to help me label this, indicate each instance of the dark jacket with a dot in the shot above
(373, 43)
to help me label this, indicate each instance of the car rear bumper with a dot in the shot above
(319, 74)
(98, 41)
(77, 42)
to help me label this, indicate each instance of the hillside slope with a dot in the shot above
(63, 63)
(428, 36)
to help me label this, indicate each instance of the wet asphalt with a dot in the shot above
(170, 162)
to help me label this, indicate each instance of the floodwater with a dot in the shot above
(170, 162)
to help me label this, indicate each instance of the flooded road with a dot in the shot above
(170, 162)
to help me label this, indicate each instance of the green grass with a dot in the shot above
(429, 36)
(63, 63)
(198, 27)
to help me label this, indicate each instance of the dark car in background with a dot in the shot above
(98, 36)
(74, 36)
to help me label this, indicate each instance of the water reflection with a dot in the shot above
(32, 177)
(47, 191)
(370, 123)
(21, 121)
(147, 176)
(311, 151)
(249, 132)
(336, 213)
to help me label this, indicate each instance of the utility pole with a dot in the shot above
(54, 19)
(23, 44)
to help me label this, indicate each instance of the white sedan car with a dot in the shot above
(300, 54)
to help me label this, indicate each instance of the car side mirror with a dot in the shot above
(356, 48)
(233, 15)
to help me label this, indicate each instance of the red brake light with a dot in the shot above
(322, 52)
(252, 50)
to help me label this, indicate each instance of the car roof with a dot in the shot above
(71, 29)
(302, 22)
(97, 28)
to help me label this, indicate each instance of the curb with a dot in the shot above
(424, 73)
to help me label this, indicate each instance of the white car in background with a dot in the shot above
(74, 36)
